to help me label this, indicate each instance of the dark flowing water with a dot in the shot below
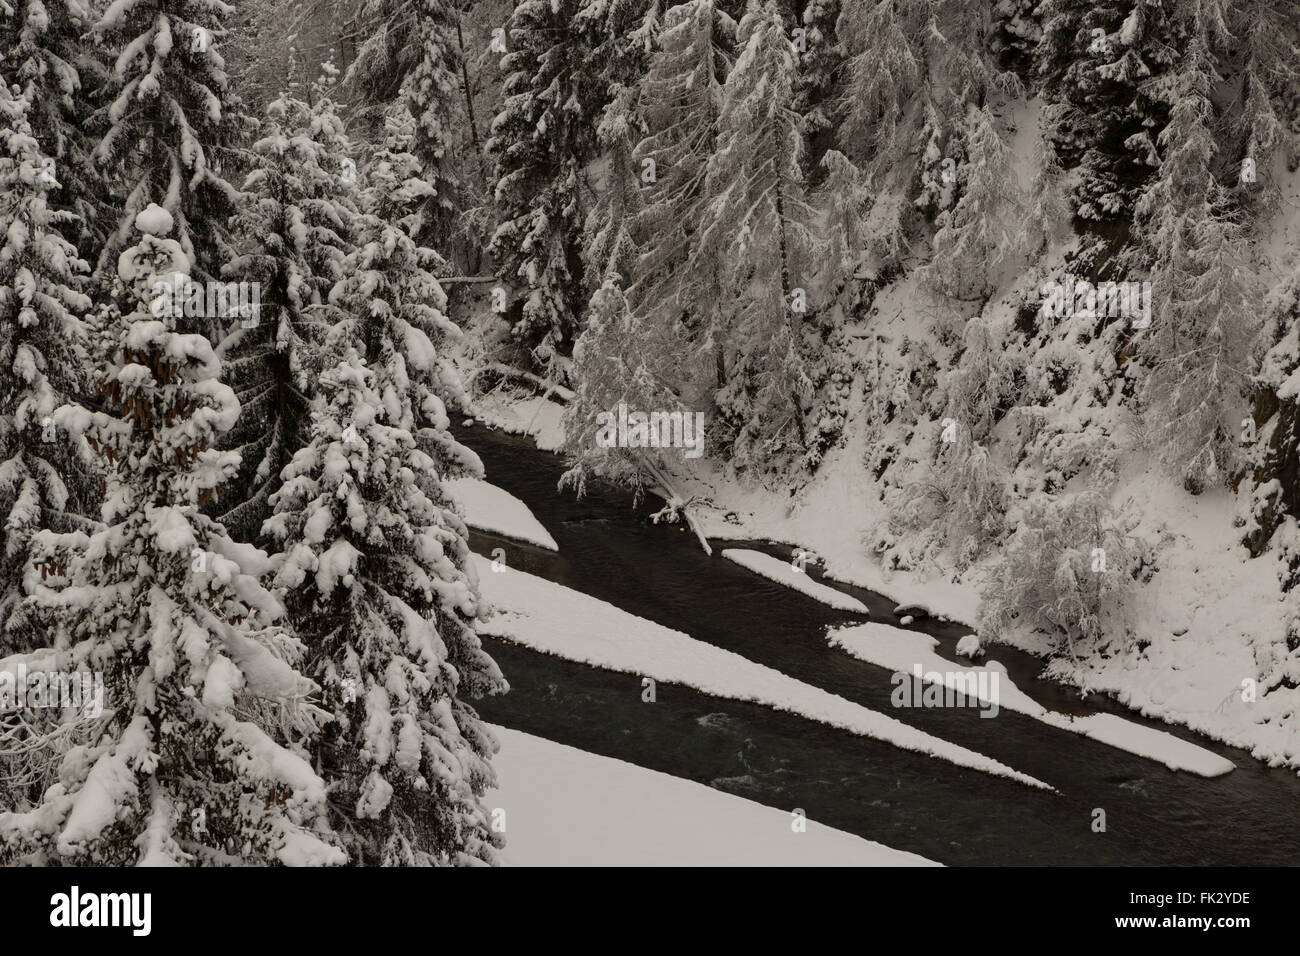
(953, 815)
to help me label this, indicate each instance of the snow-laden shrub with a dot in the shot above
(952, 515)
(832, 377)
(983, 381)
(1065, 571)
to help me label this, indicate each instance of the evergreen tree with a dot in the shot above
(819, 64)
(884, 70)
(431, 92)
(760, 219)
(407, 604)
(618, 37)
(1271, 35)
(677, 284)
(42, 354)
(391, 307)
(620, 34)
(1203, 291)
(379, 580)
(42, 50)
(541, 140)
(1048, 204)
(187, 767)
(1017, 33)
(609, 244)
(980, 234)
(389, 53)
(174, 126)
(847, 201)
(617, 359)
(1276, 458)
(297, 227)
(1108, 67)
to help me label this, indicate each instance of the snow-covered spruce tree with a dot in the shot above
(677, 284)
(175, 129)
(1107, 69)
(847, 201)
(619, 34)
(380, 584)
(958, 506)
(541, 140)
(433, 57)
(618, 37)
(1017, 33)
(432, 92)
(815, 86)
(42, 359)
(391, 307)
(950, 515)
(1047, 215)
(1203, 293)
(1197, 387)
(390, 51)
(760, 222)
(980, 235)
(43, 51)
(981, 383)
(883, 72)
(609, 244)
(296, 226)
(199, 680)
(1270, 36)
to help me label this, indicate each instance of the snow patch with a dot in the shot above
(900, 651)
(774, 569)
(567, 807)
(495, 510)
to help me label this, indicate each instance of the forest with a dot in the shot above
(991, 306)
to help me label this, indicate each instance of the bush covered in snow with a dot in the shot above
(1066, 571)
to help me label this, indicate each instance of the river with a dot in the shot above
(953, 815)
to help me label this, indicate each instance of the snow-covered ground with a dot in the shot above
(784, 572)
(537, 417)
(551, 618)
(567, 807)
(900, 650)
(497, 511)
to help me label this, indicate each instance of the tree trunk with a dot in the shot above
(793, 318)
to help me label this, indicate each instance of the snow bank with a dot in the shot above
(537, 416)
(774, 569)
(557, 620)
(495, 510)
(900, 650)
(567, 807)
